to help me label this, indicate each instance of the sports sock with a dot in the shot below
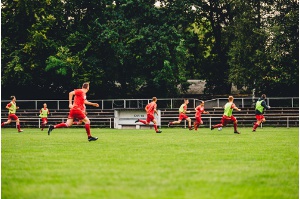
(235, 127)
(61, 125)
(217, 126)
(2, 124)
(255, 126)
(88, 129)
(155, 127)
(18, 126)
(143, 121)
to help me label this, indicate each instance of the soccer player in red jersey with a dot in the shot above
(199, 109)
(77, 110)
(182, 115)
(259, 111)
(227, 116)
(150, 110)
(44, 115)
(12, 107)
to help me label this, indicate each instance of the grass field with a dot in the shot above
(177, 163)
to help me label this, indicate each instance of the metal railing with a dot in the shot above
(164, 103)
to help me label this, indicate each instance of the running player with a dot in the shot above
(12, 108)
(199, 110)
(182, 115)
(227, 116)
(259, 111)
(150, 110)
(78, 110)
(44, 115)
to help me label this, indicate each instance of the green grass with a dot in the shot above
(177, 163)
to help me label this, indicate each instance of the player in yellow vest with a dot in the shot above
(44, 115)
(259, 111)
(182, 115)
(227, 116)
(12, 107)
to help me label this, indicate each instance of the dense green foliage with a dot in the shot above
(137, 48)
(129, 164)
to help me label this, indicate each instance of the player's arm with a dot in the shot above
(265, 105)
(185, 110)
(205, 112)
(8, 106)
(71, 94)
(235, 108)
(91, 103)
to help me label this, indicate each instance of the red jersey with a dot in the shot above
(151, 107)
(199, 110)
(79, 99)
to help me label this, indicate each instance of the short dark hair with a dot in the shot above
(85, 85)
(154, 99)
(12, 97)
(263, 96)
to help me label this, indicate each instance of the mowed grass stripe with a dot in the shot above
(177, 163)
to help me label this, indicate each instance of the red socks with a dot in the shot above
(143, 121)
(235, 127)
(61, 125)
(217, 126)
(255, 126)
(88, 129)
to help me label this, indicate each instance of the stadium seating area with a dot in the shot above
(277, 117)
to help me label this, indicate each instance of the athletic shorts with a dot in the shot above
(259, 117)
(44, 120)
(182, 116)
(198, 120)
(12, 117)
(76, 113)
(225, 120)
(150, 118)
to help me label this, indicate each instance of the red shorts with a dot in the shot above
(44, 120)
(12, 116)
(182, 116)
(76, 113)
(225, 120)
(259, 117)
(198, 120)
(150, 118)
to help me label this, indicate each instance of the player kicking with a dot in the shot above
(182, 115)
(150, 110)
(12, 108)
(227, 116)
(78, 110)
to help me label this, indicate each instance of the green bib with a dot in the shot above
(259, 107)
(12, 109)
(44, 113)
(227, 109)
(181, 109)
